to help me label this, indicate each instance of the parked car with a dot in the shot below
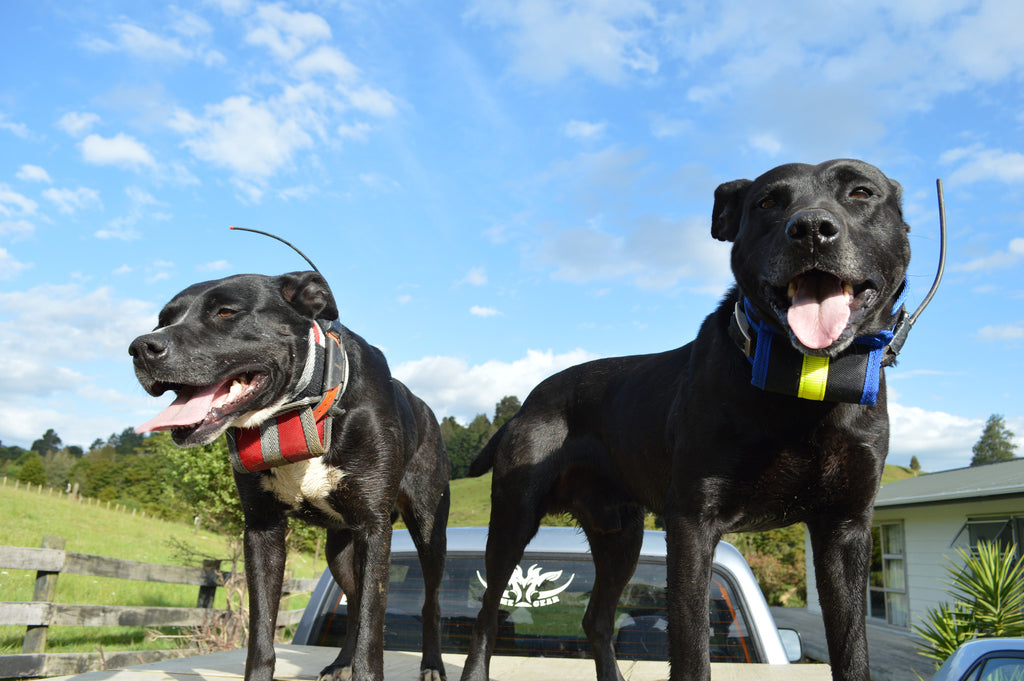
(990, 659)
(546, 597)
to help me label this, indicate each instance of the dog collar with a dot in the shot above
(853, 376)
(300, 429)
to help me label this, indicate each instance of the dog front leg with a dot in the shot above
(842, 556)
(373, 553)
(691, 547)
(264, 547)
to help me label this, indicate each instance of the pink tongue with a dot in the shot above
(184, 411)
(819, 312)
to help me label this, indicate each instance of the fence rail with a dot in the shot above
(38, 615)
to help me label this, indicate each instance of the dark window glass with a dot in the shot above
(542, 611)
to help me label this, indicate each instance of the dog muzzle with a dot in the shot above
(300, 429)
(854, 376)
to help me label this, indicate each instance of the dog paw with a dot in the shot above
(335, 674)
(431, 675)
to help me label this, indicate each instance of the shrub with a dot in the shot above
(988, 601)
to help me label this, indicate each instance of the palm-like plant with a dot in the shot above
(988, 601)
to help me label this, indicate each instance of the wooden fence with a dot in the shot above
(37, 616)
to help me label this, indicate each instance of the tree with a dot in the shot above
(505, 409)
(49, 442)
(32, 470)
(915, 465)
(126, 441)
(58, 467)
(995, 444)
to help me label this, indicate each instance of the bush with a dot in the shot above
(988, 602)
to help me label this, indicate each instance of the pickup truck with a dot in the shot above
(540, 635)
(546, 598)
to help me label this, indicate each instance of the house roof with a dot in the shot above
(991, 480)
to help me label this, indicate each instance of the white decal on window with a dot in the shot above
(523, 591)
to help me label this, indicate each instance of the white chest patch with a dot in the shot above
(308, 481)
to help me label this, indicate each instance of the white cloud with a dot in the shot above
(123, 226)
(139, 42)
(978, 164)
(766, 143)
(30, 173)
(327, 59)
(655, 252)
(454, 388)
(77, 123)
(286, 34)
(16, 228)
(214, 266)
(1002, 332)
(248, 138)
(69, 201)
(9, 266)
(354, 131)
(12, 203)
(479, 311)
(374, 101)
(584, 130)
(120, 150)
(477, 276)
(606, 40)
(81, 324)
(996, 260)
(17, 129)
(940, 441)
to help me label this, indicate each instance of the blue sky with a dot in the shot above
(495, 189)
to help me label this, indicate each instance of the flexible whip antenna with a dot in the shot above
(942, 252)
(903, 327)
(286, 243)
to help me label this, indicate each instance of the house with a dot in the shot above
(918, 525)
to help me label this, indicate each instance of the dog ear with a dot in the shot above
(725, 216)
(309, 293)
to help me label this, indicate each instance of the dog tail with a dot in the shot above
(484, 459)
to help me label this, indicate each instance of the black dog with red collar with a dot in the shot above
(243, 354)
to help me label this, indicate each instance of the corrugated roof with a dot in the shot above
(990, 480)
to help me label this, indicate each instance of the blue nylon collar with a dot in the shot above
(759, 351)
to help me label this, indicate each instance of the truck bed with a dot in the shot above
(304, 662)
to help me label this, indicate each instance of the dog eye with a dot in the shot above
(767, 204)
(861, 193)
(226, 312)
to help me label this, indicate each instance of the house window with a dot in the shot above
(1004, 531)
(887, 585)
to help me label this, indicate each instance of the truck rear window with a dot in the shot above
(542, 610)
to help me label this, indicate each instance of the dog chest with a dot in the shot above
(305, 486)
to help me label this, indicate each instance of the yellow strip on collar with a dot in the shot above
(813, 377)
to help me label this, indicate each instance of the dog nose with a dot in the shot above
(148, 347)
(816, 224)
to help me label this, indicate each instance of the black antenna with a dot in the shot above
(286, 243)
(907, 322)
(942, 251)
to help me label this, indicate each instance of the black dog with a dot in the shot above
(819, 255)
(240, 351)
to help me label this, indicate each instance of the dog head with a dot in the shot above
(232, 349)
(820, 252)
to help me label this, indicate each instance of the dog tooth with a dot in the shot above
(848, 289)
(791, 291)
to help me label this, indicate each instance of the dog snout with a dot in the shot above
(816, 226)
(150, 347)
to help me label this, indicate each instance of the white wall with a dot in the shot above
(929, 530)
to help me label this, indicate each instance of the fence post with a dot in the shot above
(208, 593)
(45, 590)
